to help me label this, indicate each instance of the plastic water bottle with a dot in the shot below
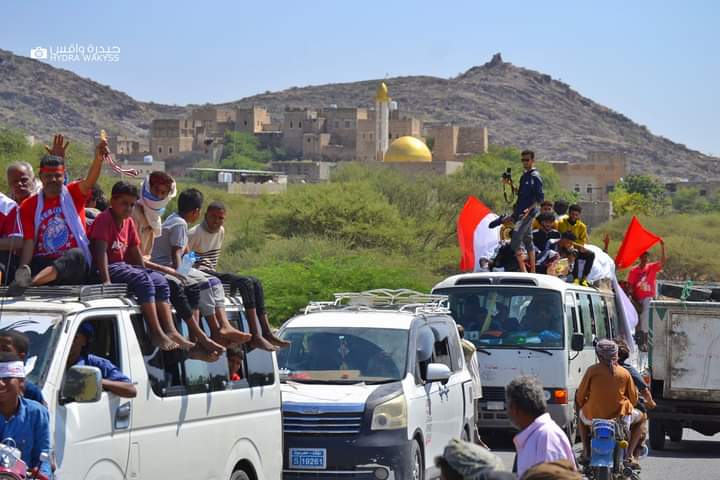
(188, 260)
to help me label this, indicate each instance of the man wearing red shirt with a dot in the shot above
(642, 286)
(20, 179)
(55, 247)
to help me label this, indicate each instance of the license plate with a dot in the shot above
(495, 406)
(308, 458)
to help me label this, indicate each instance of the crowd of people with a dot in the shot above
(59, 232)
(540, 236)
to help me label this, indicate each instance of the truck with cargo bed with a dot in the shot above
(684, 364)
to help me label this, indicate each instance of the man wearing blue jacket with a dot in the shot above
(529, 196)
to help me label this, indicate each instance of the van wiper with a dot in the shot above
(532, 349)
(482, 350)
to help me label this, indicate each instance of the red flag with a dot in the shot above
(474, 237)
(636, 242)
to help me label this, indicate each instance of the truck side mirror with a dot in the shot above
(82, 385)
(577, 342)
(437, 372)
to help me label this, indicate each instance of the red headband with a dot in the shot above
(59, 169)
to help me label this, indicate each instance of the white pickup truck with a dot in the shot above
(685, 368)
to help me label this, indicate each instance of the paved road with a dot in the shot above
(697, 457)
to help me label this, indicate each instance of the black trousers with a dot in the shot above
(184, 298)
(250, 288)
(589, 259)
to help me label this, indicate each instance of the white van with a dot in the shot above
(374, 389)
(187, 420)
(530, 324)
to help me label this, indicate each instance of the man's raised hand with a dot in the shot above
(59, 146)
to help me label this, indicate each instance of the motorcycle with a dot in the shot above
(12, 466)
(608, 448)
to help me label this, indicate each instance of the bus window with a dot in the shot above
(571, 318)
(586, 318)
(601, 317)
(612, 317)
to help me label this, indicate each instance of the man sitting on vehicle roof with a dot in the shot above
(56, 248)
(21, 181)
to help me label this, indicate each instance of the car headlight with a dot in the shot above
(390, 415)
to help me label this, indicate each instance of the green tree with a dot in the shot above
(689, 200)
(242, 151)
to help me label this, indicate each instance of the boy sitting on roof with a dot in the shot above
(206, 239)
(117, 256)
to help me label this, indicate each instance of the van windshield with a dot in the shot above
(41, 330)
(508, 316)
(343, 355)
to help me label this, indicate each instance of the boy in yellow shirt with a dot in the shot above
(572, 223)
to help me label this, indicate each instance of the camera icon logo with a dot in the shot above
(39, 53)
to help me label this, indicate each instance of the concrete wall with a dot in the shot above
(251, 120)
(453, 143)
(594, 178)
(254, 189)
(308, 171)
(596, 213)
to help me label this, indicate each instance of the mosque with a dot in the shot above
(407, 153)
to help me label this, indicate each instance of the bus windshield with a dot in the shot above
(508, 316)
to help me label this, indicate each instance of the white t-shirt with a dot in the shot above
(206, 245)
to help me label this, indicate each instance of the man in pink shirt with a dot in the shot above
(642, 286)
(540, 439)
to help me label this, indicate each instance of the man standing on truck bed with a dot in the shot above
(642, 285)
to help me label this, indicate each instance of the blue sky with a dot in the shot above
(657, 62)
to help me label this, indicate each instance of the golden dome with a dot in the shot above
(381, 94)
(408, 149)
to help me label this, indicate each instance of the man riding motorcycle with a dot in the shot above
(607, 392)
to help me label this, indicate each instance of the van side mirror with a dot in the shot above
(437, 372)
(82, 385)
(577, 342)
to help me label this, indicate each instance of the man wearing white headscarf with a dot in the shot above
(25, 421)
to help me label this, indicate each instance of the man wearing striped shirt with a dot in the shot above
(206, 241)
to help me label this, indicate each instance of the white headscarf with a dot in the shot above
(154, 207)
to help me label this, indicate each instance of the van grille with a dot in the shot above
(493, 394)
(324, 419)
(320, 424)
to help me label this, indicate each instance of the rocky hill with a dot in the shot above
(520, 107)
(41, 100)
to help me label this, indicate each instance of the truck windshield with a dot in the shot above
(40, 329)
(508, 316)
(343, 355)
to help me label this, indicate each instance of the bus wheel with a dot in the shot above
(239, 475)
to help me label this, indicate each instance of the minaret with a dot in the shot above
(382, 121)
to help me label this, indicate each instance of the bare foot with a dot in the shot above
(259, 342)
(199, 353)
(277, 341)
(211, 346)
(182, 342)
(163, 342)
(234, 336)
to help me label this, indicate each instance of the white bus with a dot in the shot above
(530, 324)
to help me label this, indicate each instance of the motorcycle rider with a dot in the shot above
(607, 391)
(646, 399)
(25, 421)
